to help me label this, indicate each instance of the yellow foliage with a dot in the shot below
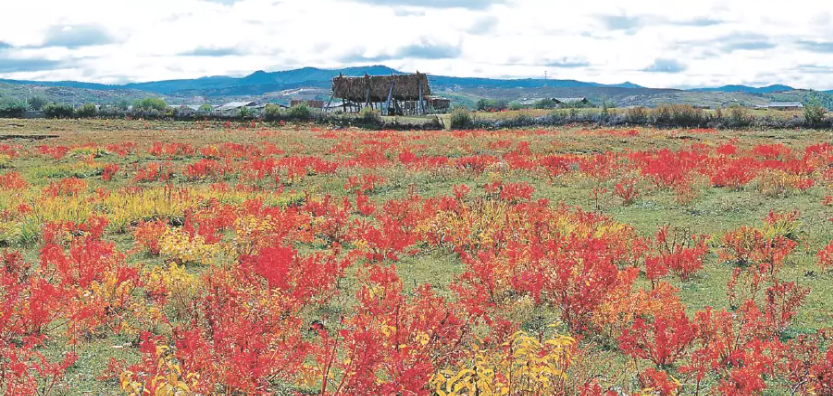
(176, 283)
(522, 366)
(251, 233)
(777, 183)
(168, 380)
(179, 246)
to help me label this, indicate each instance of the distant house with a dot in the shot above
(572, 101)
(785, 106)
(554, 102)
(231, 108)
(530, 102)
(184, 110)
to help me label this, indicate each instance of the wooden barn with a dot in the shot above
(395, 94)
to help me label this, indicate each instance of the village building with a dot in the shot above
(232, 108)
(785, 106)
(555, 102)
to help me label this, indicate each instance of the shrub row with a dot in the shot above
(668, 116)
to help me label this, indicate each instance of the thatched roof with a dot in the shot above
(406, 88)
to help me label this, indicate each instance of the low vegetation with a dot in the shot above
(160, 257)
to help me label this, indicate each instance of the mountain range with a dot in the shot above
(318, 81)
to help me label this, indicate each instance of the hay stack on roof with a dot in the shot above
(354, 89)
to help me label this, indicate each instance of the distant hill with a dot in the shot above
(441, 82)
(79, 94)
(743, 88)
(261, 82)
(315, 83)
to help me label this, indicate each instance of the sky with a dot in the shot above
(647, 42)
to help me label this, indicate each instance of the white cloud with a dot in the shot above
(718, 42)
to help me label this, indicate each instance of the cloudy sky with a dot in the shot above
(649, 42)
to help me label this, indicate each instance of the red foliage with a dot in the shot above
(12, 181)
(109, 171)
(663, 341)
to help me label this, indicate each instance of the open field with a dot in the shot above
(161, 258)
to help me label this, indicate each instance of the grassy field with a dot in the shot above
(210, 200)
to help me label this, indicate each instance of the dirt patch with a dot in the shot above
(28, 137)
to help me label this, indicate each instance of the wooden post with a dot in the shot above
(334, 92)
(390, 95)
(366, 89)
(421, 107)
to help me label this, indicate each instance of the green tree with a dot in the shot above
(545, 104)
(122, 104)
(482, 104)
(206, 109)
(244, 112)
(88, 110)
(272, 112)
(13, 108)
(514, 106)
(36, 103)
(56, 110)
(300, 112)
(157, 104)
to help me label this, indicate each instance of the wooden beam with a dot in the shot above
(334, 92)
(421, 107)
(390, 95)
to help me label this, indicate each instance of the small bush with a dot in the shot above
(300, 112)
(88, 110)
(272, 112)
(244, 112)
(636, 115)
(461, 119)
(514, 106)
(369, 115)
(604, 113)
(490, 105)
(56, 110)
(545, 104)
(739, 116)
(678, 115)
(814, 113)
(205, 109)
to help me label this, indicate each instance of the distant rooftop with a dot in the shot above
(786, 104)
(235, 105)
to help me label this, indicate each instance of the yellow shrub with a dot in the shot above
(523, 366)
(178, 246)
